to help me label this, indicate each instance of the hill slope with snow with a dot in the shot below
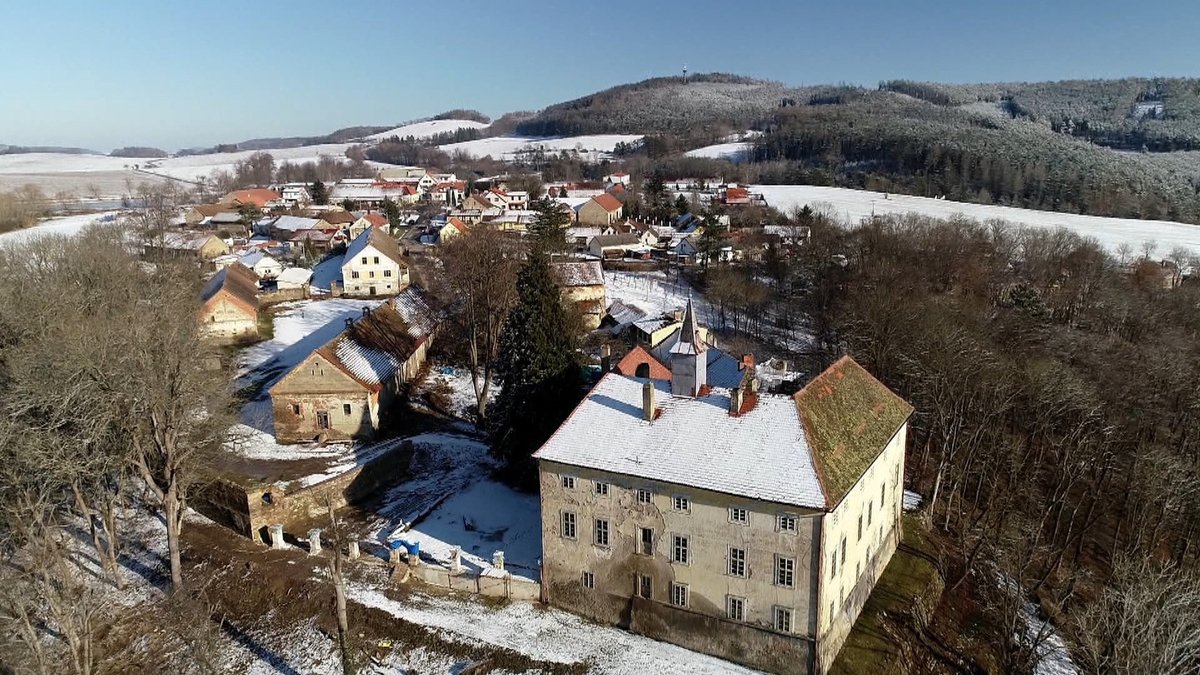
(426, 129)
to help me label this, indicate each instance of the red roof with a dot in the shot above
(617, 188)
(637, 356)
(607, 202)
(376, 219)
(737, 194)
(458, 225)
(256, 196)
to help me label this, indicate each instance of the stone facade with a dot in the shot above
(318, 398)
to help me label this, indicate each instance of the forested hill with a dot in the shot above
(1104, 147)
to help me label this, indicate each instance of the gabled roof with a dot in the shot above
(628, 365)
(237, 283)
(848, 417)
(760, 454)
(338, 217)
(293, 223)
(606, 240)
(380, 241)
(373, 348)
(256, 196)
(294, 275)
(607, 202)
(571, 274)
(457, 224)
(376, 219)
(210, 210)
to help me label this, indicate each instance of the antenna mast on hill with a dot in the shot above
(685, 73)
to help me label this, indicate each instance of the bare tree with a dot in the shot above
(481, 270)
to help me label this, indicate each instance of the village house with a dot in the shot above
(478, 202)
(229, 309)
(320, 241)
(294, 194)
(617, 178)
(262, 264)
(293, 279)
(582, 285)
(603, 209)
(227, 221)
(376, 220)
(203, 247)
(453, 228)
(613, 245)
(198, 215)
(745, 525)
(347, 388)
(373, 265)
(259, 198)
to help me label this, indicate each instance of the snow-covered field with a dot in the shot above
(507, 147)
(654, 293)
(426, 129)
(734, 152)
(66, 225)
(311, 322)
(854, 205)
(546, 634)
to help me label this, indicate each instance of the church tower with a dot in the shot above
(689, 362)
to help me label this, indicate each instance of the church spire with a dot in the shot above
(689, 363)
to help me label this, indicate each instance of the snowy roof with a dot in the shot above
(236, 282)
(623, 314)
(762, 453)
(294, 275)
(413, 307)
(293, 223)
(252, 259)
(579, 273)
(615, 240)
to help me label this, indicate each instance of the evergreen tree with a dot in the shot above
(549, 228)
(319, 193)
(392, 210)
(682, 205)
(710, 242)
(349, 205)
(537, 369)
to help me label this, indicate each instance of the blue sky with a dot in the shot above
(190, 73)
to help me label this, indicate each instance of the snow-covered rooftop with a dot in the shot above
(761, 454)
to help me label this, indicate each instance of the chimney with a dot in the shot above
(648, 401)
(605, 358)
(735, 401)
(366, 311)
(349, 322)
(677, 314)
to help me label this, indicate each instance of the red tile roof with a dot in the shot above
(628, 364)
(376, 219)
(256, 196)
(607, 202)
(458, 225)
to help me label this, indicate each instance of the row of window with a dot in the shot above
(679, 596)
(784, 522)
(354, 274)
(681, 549)
(298, 411)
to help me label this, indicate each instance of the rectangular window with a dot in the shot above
(739, 516)
(843, 551)
(601, 488)
(644, 496)
(346, 409)
(785, 572)
(387, 273)
(787, 522)
(833, 566)
(568, 525)
(322, 419)
(679, 551)
(783, 619)
(364, 260)
(600, 531)
(295, 408)
(870, 512)
(589, 580)
(376, 260)
(882, 494)
(679, 595)
(354, 274)
(860, 527)
(647, 545)
(735, 608)
(681, 503)
(568, 482)
(643, 583)
(737, 562)
(371, 274)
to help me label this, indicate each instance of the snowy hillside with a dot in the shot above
(507, 147)
(426, 129)
(854, 205)
(734, 152)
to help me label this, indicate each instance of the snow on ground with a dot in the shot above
(734, 152)
(545, 634)
(1054, 659)
(654, 293)
(67, 225)
(325, 273)
(456, 382)
(854, 205)
(257, 444)
(426, 129)
(302, 321)
(912, 500)
(507, 147)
